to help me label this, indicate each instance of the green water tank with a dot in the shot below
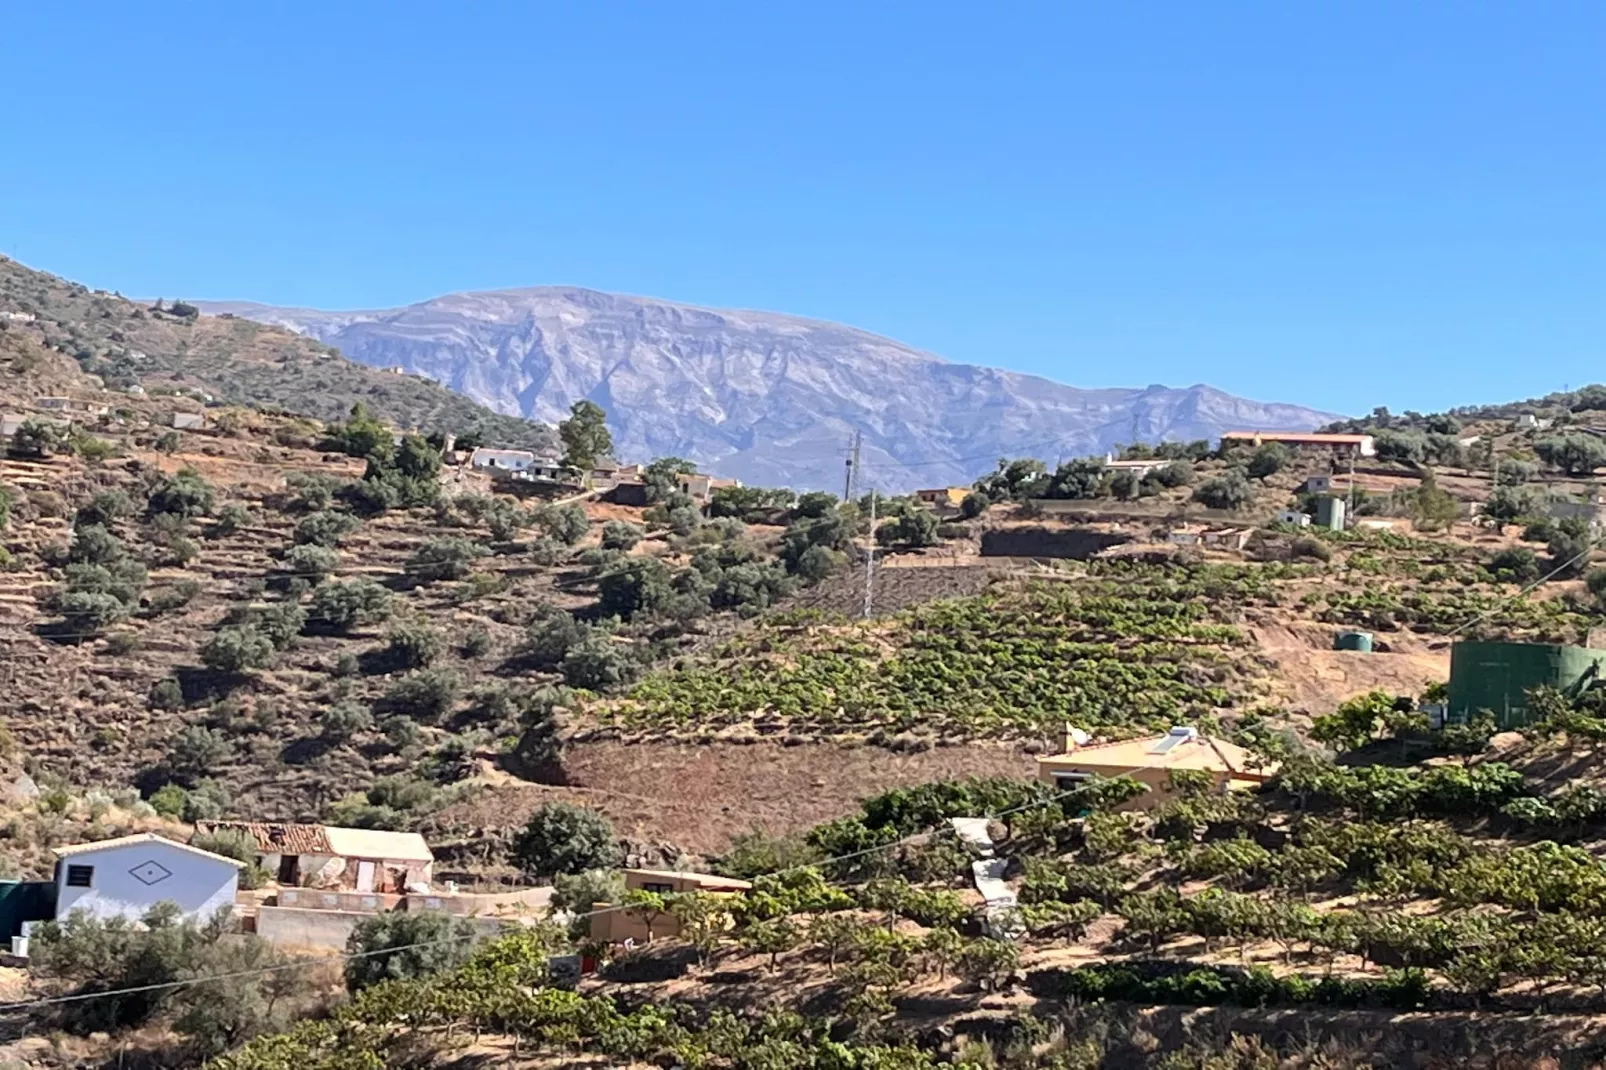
(1498, 676)
(1358, 641)
(1330, 513)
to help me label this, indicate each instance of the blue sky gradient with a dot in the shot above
(1338, 204)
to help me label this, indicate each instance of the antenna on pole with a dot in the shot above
(869, 560)
(852, 466)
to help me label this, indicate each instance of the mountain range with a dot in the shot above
(768, 398)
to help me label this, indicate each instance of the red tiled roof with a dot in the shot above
(275, 839)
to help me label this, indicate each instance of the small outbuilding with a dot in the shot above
(1150, 760)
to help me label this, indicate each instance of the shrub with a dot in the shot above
(1309, 548)
(448, 558)
(910, 527)
(194, 751)
(633, 586)
(566, 523)
(620, 535)
(280, 622)
(326, 528)
(597, 663)
(414, 646)
(399, 945)
(88, 613)
(184, 494)
(35, 438)
(166, 694)
(310, 561)
(1268, 459)
(339, 607)
(1577, 455)
(1516, 565)
(234, 650)
(425, 696)
(577, 893)
(168, 442)
(104, 509)
(1229, 491)
(1175, 474)
(345, 719)
(313, 491)
(549, 636)
(563, 838)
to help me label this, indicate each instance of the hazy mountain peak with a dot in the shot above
(766, 397)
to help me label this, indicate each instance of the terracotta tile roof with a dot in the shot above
(273, 839)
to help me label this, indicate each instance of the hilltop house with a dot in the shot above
(1150, 760)
(341, 859)
(516, 464)
(125, 877)
(942, 497)
(1344, 445)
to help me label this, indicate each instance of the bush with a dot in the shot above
(325, 529)
(577, 893)
(195, 751)
(234, 650)
(311, 562)
(1229, 491)
(340, 607)
(166, 694)
(1268, 459)
(35, 438)
(1516, 565)
(426, 696)
(88, 613)
(563, 838)
(1175, 474)
(597, 663)
(620, 535)
(184, 494)
(566, 523)
(104, 509)
(1577, 455)
(549, 636)
(313, 491)
(910, 527)
(1309, 548)
(448, 558)
(345, 719)
(399, 945)
(414, 646)
(633, 586)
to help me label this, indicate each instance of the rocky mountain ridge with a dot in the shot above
(768, 398)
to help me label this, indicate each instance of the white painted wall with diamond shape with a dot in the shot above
(130, 879)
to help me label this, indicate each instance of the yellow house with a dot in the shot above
(1150, 760)
(617, 926)
(943, 497)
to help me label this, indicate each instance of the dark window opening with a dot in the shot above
(80, 876)
(661, 889)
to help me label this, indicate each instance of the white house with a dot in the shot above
(1294, 517)
(127, 876)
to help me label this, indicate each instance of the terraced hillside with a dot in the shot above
(161, 348)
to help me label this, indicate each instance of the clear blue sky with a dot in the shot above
(1342, 204)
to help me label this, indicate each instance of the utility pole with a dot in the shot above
(869, 560)
(852, 468)
(1349, 511)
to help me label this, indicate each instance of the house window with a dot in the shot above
(661, 889)
(1070, 780)
(80, 876)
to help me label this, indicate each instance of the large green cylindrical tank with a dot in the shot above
(1357, 641)
(1330, 513)
(1498, 676)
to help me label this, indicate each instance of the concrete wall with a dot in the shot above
(130, 879)
(329, 929)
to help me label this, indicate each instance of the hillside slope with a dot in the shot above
(125, 344)
(769, 398)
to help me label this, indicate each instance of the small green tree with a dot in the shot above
(585, 436)
(447, 558)
(404, 944)
(339, 607)
(620, 535)
(563, 838)
(237, 649)
(35, 438)
(649, 907)
(414, 645)
(911, 527)
(311, 562)
(1268, 459)
(1229, 491)
(184, 493)
(633, 586)
(325, 529)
